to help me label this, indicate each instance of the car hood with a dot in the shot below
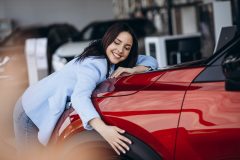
(126, 85)
(71, 49)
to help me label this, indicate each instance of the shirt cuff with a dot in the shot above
(86, 121)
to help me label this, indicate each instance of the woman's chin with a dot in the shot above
(114, 61)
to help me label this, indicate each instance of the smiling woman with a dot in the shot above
(38, 110)
(120, 48)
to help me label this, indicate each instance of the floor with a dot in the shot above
(13, 82)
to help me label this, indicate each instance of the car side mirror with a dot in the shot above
(231, 70)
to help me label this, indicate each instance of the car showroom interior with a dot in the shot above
(39, 37)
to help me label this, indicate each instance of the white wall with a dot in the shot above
(189, 20)
(76, 12)
(2, 10)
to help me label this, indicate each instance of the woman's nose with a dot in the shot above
(120, 49)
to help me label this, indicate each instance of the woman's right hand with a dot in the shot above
(112, 134)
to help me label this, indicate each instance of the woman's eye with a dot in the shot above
(115, 42)
(128, 48)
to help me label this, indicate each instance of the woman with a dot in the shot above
(38, 110)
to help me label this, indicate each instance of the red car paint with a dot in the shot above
(152, 113)
(214, 132)
(175, 115)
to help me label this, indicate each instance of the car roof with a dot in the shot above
(141, 26)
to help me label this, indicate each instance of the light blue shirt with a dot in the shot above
(44, 102)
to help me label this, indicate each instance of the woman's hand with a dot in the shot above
(123, 70)
(112, 134)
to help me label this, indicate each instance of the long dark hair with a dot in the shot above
(98, 47)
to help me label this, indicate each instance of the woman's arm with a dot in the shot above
(144, 60)
(112, 134)
(88, 76)
(144, 64)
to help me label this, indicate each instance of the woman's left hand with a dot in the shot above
(121, 70)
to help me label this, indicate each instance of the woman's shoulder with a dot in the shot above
(93, 66)
(93, 61)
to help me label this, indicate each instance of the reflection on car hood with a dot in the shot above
(71, 49)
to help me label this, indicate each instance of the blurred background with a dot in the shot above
(39, 37)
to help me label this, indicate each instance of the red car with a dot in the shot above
(185, 112)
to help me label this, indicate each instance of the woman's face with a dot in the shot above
(120, 48)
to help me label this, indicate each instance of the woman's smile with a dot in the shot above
(116, 54)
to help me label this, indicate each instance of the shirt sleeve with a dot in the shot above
(88, 76)
(147, 61)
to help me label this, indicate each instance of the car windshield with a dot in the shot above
(95, 31)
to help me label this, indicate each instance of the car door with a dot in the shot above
(147, 105)
(209, 125)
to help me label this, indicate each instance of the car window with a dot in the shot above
(149, 28)
(87, 34)
(99, 30)
(142, 28)
(214, 72)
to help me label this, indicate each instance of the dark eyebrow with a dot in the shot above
(121, 41)
(118, 39)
